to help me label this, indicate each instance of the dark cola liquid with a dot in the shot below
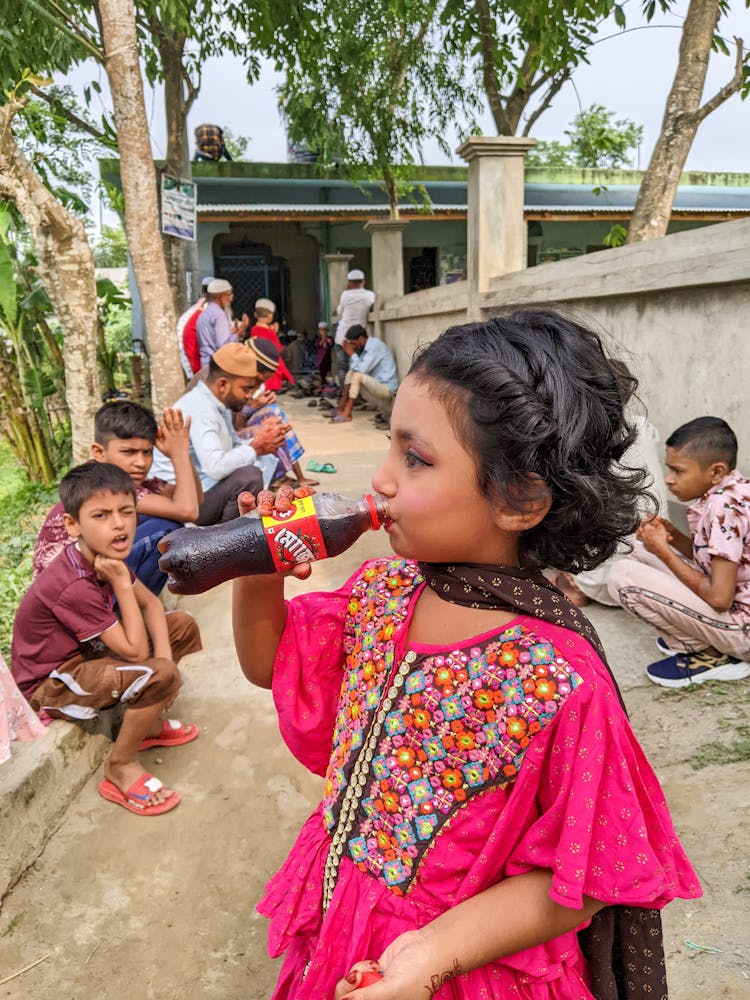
(197, 559)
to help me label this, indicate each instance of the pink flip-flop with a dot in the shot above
(173, 734)
(136, 798)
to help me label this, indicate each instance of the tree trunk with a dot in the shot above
(389, 182)
(138, 178)
(66, 269)
(682, 116)
(488, 48)
(176, 251)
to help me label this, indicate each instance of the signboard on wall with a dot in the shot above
(178, 207)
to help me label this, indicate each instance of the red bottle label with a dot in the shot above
(295, 537)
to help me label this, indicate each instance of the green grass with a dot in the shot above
(12, 925)
(12, 478)
(723, 753)
(714, 695)
(23, 506)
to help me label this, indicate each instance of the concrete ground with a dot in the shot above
(120, 907)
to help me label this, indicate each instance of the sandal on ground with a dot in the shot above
(339, 418)
(136, 798)
(173, 734)
(315, 466)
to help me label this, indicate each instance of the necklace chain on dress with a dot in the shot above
(358, 781)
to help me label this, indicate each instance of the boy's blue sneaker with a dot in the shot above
(683, 669)
(665, 648)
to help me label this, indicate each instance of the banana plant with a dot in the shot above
(24, 421)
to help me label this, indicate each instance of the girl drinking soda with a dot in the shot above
(490, 827)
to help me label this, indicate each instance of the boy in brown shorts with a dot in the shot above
(88, 635)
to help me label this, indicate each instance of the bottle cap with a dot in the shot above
(377, 506)
(368, 978)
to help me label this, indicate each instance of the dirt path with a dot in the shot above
(160, 909)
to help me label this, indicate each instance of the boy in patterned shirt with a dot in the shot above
(695, 589)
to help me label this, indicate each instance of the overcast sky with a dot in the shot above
(629, 73)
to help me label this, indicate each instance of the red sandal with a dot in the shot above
(173, 734)
(135, 799)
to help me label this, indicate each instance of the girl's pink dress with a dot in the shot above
(450, 770)
(18, 721)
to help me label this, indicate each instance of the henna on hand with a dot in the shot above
(441, 978)
(284, 498)
(264, 503)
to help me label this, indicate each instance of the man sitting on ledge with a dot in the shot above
(372, 372)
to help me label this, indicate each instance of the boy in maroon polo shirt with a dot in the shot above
(88, 635)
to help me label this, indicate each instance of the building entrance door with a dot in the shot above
(254, 273)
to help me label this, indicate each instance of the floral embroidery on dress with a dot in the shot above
(375, 611)
(458, 725)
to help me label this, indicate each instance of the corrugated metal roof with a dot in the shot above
(580, 198)
(450, 198)
(295, 208)
(549, 208)
(609, 209)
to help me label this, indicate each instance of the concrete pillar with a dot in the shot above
(495, 226)
(337, 268)
(386, 240)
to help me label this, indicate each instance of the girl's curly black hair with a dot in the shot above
(535, 397)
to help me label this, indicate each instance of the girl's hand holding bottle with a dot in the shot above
(267, 504)
(276, 535)
(259, 613)
(259, 552)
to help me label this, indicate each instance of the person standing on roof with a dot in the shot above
(353, 309)
(210, 144)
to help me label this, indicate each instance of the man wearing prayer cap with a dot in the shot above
(353, 310)
(187, 332)
(226, 465)
(214, 327)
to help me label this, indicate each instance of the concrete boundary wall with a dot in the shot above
(679, 306)
(416, 319)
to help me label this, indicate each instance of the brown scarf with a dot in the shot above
(623, 944)
(509, 588)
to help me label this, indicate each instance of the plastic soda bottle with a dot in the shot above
(316, 527)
